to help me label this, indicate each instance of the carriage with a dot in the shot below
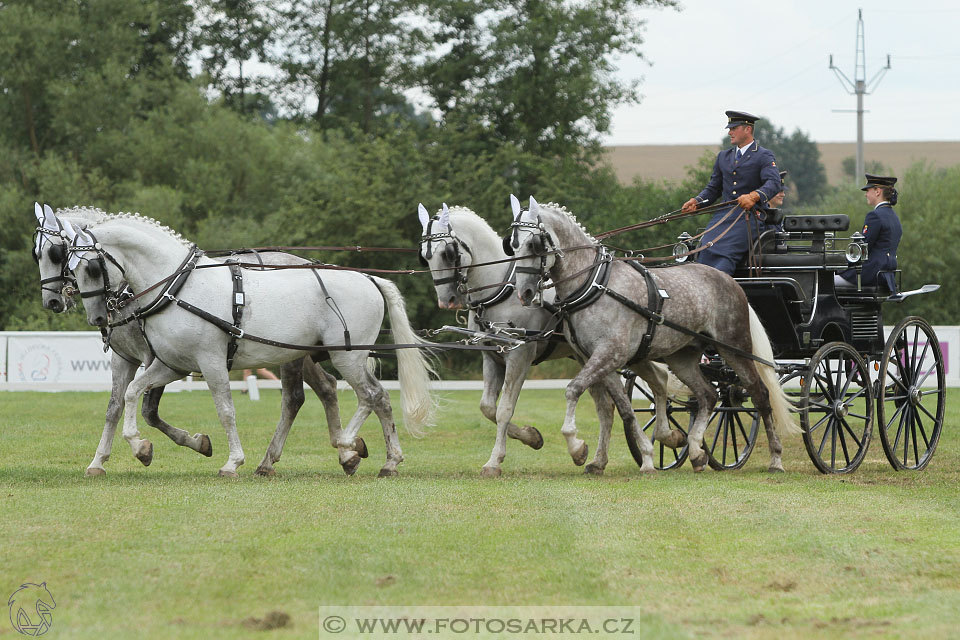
(832, 355)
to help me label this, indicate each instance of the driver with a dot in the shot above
(882, 231)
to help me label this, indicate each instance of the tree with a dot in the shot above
(233, 33)
(849, 165)
(347, 55)
(798, 155)
(539, 73)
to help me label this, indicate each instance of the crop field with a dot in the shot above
(173, 551)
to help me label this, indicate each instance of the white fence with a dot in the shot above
(75, 361)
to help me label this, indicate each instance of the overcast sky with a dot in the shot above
(770, 57)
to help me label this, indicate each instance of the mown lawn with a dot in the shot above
(173, 551)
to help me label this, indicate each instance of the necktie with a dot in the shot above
(739, 154)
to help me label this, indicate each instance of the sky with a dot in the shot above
(771, 58)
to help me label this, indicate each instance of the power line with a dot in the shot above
(860, 87)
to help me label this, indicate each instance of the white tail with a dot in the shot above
(414, 369)
(779, 403)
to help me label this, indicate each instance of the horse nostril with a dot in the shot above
(55, 306)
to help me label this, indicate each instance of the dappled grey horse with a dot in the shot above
(617, 328)
(129, 350)
(457, 245)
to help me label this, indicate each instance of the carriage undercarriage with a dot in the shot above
(833, 359)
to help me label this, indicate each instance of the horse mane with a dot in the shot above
(559, 208)
(468, 220)
(89, 216)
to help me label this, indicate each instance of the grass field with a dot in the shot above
(172, 551)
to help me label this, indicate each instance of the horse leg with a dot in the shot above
(367, 389)
(493, 377)
(685, 364)
(122, 374)
(514, 373)
(291, 399)
(656, 376)
(625, 409)
(199, 442)
(604, 406)
(157, 374)
(218, 382)
(595, 370)
(324, 386)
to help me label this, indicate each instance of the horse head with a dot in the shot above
(531, 243)
(92, 275)
(447, 257)
(50, 252)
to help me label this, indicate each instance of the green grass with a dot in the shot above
(173, 551)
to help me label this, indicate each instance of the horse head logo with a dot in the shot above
(30, 609)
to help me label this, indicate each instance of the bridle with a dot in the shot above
(451, 251)
(43, 234)
(544, 246)
(112, 296)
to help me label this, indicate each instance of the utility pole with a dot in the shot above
(859, 87)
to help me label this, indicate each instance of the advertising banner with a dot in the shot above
(56, 357)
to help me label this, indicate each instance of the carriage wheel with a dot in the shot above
(837, 414)
(732, 430)
(911, 394)
(679, 415)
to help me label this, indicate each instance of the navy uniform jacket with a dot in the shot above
(755, 171)
(882, 230)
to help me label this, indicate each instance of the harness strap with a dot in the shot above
(240, 333)
(659, 319)
(655, 298)
(173, 286)
(237, 307)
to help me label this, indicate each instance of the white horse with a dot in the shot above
(287, 307)
(457, 245)
(617, 327)
(129, 350)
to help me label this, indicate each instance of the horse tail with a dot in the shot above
(780, 405)
(414, 369)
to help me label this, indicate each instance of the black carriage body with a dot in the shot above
(791, 287)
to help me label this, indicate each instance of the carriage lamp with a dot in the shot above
(681, 250)
(855, 249)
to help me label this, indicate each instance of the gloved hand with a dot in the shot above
(748, 200)
(689, 205)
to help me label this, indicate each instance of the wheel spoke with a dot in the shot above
(906, 434)
(823, 441)
(913, 429)
(833, 446)
(852, 434)
(843, 441)
(819, 422)
(923, 432)
(926, 411)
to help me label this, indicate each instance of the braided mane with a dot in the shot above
(467, 218)
(93, 215)
(559, 208)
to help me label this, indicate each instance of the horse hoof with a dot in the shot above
(350, 466)
(206, 448)
(387, 473)
(648, 469)
(697, 469)
(593, 469)
(360, 447)
(699, 461)
(581, 455)
(675, 440)
(490, 472)
(265, 472)
(776, 470)
(145, 453)
(93, 472)
(223, 473)
(537, 443)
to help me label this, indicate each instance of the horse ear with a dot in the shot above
(38, 212)
(507, 249)
(70, 231)
(50, 220)
(424, 216)
(515, 206)
(534, 207)
(445, 217)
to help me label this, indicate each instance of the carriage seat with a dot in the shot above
(837, 222)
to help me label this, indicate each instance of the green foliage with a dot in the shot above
(849, 166)
(797, 154)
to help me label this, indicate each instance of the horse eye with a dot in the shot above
(450, 253)
(57, 253)
(93, 269)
